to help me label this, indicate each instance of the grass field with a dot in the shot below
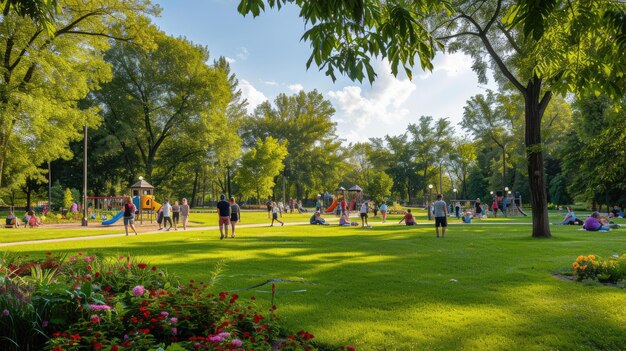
(486, 286)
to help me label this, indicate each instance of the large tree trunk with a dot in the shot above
(534, 153)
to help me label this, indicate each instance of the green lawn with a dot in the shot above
(486, 286)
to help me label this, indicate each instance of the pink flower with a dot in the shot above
(88, 259)
(224, 335)
(88, 277)
(99, 307)
(138, 290)
(173, 320)
(5, 312)
(174, 331)
(164, 313)
(236, 342)
(215, 338)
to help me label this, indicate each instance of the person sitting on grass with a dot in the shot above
(11, 221)
(594, 224)
(570, 217)
(345, 221)
(408, 218)
(316, 218)
(33, 220)
(467, 219)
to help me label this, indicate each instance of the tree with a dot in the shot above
(431, 140)
(485, 117)
(44, 76)
(164, 98)
(378, 186)
(303, 122)
(395, 155)
(538, 47)
(259, 166)
(460, 162)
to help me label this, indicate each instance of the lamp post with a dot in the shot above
(85, 221)
(430, 193)
(456, 213)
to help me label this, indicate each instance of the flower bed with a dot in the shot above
(91, 303)
(611, 270)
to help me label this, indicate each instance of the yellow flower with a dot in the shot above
(580, 258)
(582, 268)
(593, 257)
(575, 265)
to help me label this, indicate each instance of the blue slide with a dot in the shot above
(114, 219)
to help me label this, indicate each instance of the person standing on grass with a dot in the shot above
(441, 215)
(167, 213)
(176, 214)
(235, 215)
(478, 209)
(184, 213)
(363, 212)
(223, 208)
(275, 215)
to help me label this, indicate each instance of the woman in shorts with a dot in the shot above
(235, 215)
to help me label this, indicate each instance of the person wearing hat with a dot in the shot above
(167, 214)
(224, 211)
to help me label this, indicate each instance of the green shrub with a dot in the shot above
(611, 270)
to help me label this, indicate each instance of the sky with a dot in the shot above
(268, 58)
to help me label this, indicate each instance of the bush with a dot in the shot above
(96, 303)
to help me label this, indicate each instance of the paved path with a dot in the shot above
(195, 229)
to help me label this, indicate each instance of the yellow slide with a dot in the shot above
(148, 203)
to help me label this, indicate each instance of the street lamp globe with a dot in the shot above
(430, 186)
(506, 188)
(454, 190)
(491, 192)
(140, 177)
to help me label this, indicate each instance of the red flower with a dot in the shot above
(114, 348)
(350, 348)
(257, 318)
(142, 265)
(75, 337)
(154, 268)
(97, 346)
(89, 267)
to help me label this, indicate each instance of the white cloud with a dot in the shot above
(296, 88)
(230, 60)
(243, 53)
(249, 92)
(271, 83)
(362, 114)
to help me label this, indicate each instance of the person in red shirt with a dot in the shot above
(408, 218)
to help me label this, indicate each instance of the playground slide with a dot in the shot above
(114, 219)
(157, 206)
(332, 207)
(352, 203)
(521, 211)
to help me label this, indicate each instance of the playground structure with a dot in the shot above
(353, 197)
(142, 197)
(511, 205)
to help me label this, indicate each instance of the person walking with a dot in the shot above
(268, 204)
(441, 215)
(383, 211)
(235, 215)
(292, 204)
(275, 215)
(129, 215)
(223, 208)
(184, 213)
(167, 214)
(176, 214)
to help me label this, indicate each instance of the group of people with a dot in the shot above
(30, 219)
(173, 214)
(229, 214)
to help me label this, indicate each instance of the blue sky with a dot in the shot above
(268, 58)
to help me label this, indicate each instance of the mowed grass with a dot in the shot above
(486, 286)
